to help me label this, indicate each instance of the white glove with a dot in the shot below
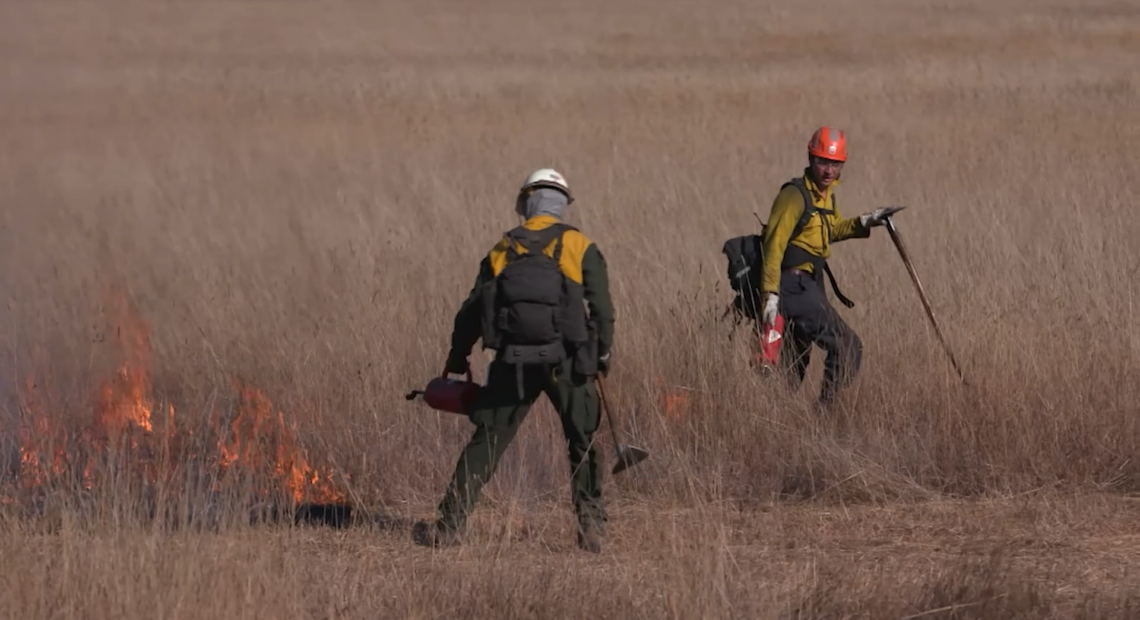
(878, 216)
(771, 309)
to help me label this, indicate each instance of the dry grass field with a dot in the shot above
(234, 233)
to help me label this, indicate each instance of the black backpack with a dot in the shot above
(745, 264)
(532, 313)
(746, 260)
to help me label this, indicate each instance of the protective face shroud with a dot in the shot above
(541, 201)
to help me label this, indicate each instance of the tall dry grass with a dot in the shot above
(298, 195)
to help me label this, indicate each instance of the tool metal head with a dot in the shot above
(887, 216)
(628, 456)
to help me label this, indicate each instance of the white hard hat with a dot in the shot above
(547, 177)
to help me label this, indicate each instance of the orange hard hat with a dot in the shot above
(828, 143)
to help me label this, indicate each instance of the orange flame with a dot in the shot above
(124, 398)
(256, 440)
(674, 402)
(42, 450)
(254, 421)
(675, 405)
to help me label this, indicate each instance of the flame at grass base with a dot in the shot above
(247, 448)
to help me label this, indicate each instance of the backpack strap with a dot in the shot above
(557, 254)
(536, 240)
(809, 206)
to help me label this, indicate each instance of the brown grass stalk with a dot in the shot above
(293, 197)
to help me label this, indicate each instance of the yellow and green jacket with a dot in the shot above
(820, 231)
(581, 261)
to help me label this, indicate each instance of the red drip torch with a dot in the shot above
(771, 337)
(450, 395)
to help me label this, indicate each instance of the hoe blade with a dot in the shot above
(628, 456)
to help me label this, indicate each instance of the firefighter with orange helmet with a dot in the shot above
(803, 224)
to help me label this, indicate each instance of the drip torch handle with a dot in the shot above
(470, 377)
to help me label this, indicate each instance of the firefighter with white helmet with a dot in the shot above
(546, 177)
(529, 304)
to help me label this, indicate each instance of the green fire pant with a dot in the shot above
(498, 413)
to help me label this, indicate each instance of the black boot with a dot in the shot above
(434, 535)
(589, 539)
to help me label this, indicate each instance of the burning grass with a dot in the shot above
(135, 444)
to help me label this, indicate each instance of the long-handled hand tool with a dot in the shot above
(918, 286)
(627, 456)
